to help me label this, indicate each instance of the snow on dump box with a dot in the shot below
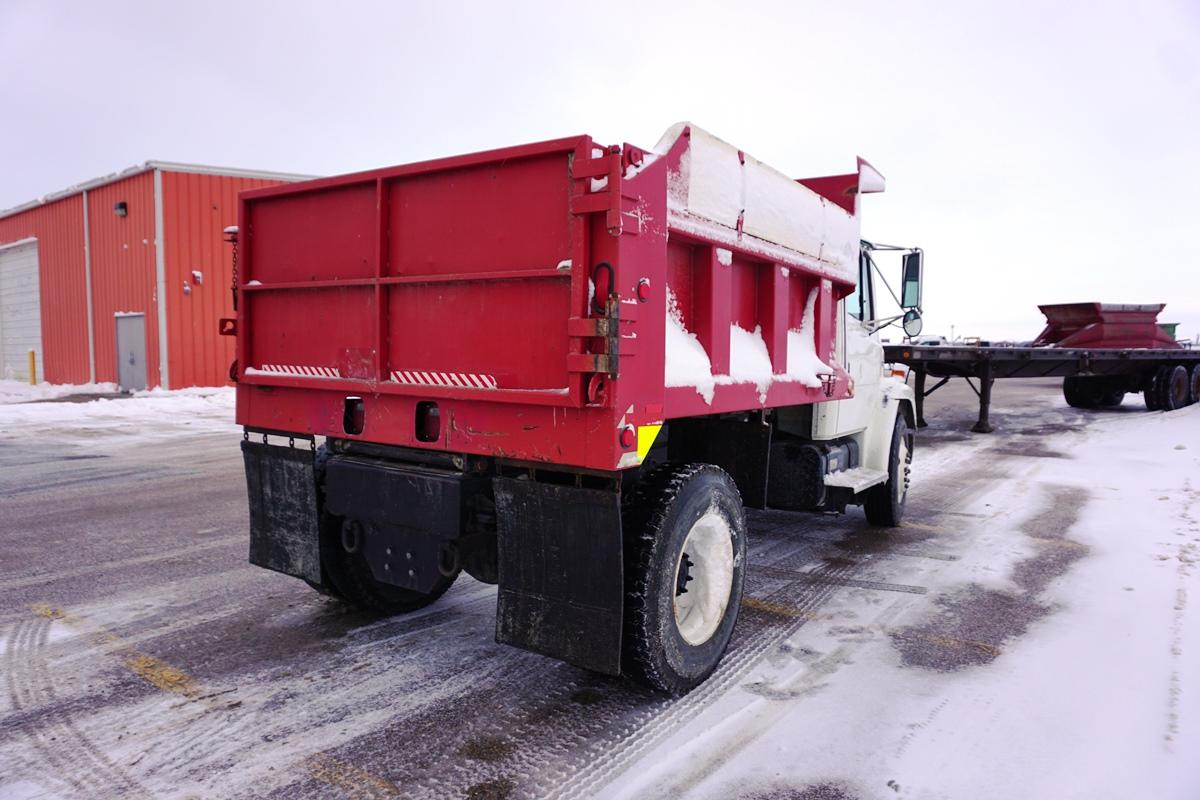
(717, 183)
(687, 362)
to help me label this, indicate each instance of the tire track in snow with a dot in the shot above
(76, 761)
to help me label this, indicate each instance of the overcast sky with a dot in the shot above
(1039, 151)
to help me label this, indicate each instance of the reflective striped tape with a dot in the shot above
(301, 370)
(453, 380)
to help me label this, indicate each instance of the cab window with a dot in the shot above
(861, 303)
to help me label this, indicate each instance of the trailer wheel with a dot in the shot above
(1112, 398)
(1078, 393)
(685, 555)
(1151, 391)
(351, 580)
(1176, 388)
(884, 503)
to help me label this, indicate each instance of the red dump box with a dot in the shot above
(1103, 325)
(521, 303)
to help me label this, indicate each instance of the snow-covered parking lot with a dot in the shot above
(1031, 632)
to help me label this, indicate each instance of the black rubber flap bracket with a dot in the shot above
(284, 524)
(561, 577)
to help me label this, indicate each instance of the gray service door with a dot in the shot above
(131, 352)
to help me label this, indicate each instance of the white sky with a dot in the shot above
(1038, 151)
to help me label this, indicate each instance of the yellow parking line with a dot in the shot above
(154, 671)
(357, 782)
(952, 643)
(920, 526)
(779, 609)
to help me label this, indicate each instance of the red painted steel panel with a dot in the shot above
(289, 240)
(478, 312)
(506, 216)
(196, 210)
(123, 268)
(58, 227)
(1104, 325)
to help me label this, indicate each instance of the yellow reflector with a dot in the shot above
(646, 436)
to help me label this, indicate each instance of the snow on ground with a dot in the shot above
(1064, 664)
(24, 392)
(153, 414)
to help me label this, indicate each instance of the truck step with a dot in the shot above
(857, 479)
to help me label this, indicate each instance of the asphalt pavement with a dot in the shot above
(142, 656)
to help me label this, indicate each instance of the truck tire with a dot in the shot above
(1176, 388)
(350, 579)
(1092, 391)
(884, 503)
(1196, 384)
(685, 561)
(1078, 392)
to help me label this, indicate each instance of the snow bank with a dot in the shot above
(23, 392)
(153, 414)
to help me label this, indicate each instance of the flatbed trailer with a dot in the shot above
(1168, 377)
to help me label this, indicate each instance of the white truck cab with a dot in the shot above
(878, 418)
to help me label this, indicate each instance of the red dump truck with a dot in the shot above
(565, 368)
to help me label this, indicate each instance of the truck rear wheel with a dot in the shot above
(685, 557)
(350, 579)
(884, 503)
(1196, 384)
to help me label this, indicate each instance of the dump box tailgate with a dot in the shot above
(452, 277)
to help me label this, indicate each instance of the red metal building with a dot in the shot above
(135, 258)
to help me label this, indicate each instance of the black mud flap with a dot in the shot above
(561, 577)
(284, 524)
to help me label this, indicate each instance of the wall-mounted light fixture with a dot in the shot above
(121, 209)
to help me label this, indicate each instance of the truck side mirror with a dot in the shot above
(912, 323)
(910, 282)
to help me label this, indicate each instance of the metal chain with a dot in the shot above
(234, 287)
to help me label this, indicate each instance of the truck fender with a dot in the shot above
(895, 398)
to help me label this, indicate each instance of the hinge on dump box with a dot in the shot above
(606, 200)
(602, 338)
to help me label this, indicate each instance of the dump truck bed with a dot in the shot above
(554, 302)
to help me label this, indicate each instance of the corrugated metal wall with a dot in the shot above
(123, 268)
(196, 209)
(58, 227)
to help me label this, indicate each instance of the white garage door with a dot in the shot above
(20, 310)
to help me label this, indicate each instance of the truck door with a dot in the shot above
(861, 355)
